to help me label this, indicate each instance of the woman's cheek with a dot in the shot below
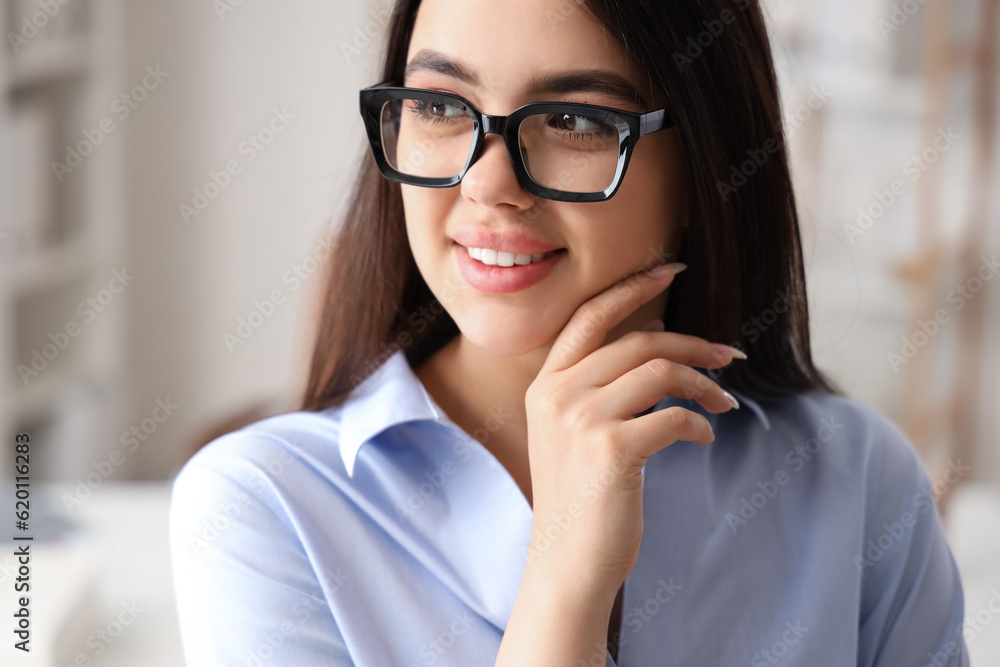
(425, 229)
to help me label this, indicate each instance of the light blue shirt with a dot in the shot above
(379, 533)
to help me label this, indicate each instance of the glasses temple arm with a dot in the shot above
(654, 121)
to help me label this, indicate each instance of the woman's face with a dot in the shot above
(496, 56)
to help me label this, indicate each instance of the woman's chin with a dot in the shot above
(506, 340)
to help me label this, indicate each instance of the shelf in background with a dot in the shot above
(32, 402)
(59, 238)
(50, 267)
(49, 61)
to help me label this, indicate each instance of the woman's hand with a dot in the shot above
(586, 448)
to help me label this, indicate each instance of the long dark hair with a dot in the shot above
(745, 284)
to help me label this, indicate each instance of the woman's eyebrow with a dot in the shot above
(576, 81)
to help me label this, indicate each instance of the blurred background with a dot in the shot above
(170, 176)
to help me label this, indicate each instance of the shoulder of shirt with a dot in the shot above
(390, 395)
(264, 448)
(865, 437)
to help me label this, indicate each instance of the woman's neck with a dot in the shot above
(484, 394)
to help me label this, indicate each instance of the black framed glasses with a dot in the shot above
(560, 150)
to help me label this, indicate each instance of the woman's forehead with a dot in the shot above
(508, 47)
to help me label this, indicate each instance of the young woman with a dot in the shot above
(519, 445)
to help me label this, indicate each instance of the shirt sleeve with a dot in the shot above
(246, 591)
(912, 603)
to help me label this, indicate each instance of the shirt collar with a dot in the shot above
(745, 401)
(393, 394)
(754, 407)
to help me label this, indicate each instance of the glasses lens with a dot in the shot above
(571, 151)
(428, 139)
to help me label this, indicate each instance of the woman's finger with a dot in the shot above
(636, 348)
(650, 433)
(647, 384)
(588, 327)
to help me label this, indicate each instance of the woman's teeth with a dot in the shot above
(496, 258)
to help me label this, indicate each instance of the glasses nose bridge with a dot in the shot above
(494, 124)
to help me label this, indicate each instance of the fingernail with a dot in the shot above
(655, 325)
(729, 349)
(732, 400)
(665, 270)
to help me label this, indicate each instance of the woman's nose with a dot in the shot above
(491, 180)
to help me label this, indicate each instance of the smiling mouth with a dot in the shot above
(490, 257)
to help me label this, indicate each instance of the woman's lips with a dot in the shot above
(504, 279)
(510, 240)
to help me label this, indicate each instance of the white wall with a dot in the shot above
(226, 75)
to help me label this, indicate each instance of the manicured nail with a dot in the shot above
(732, 400)
(728, 349)
(655, 325)
(665, 270)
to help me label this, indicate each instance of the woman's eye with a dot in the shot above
(577, 123)
(437, 112)
(444, 110)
